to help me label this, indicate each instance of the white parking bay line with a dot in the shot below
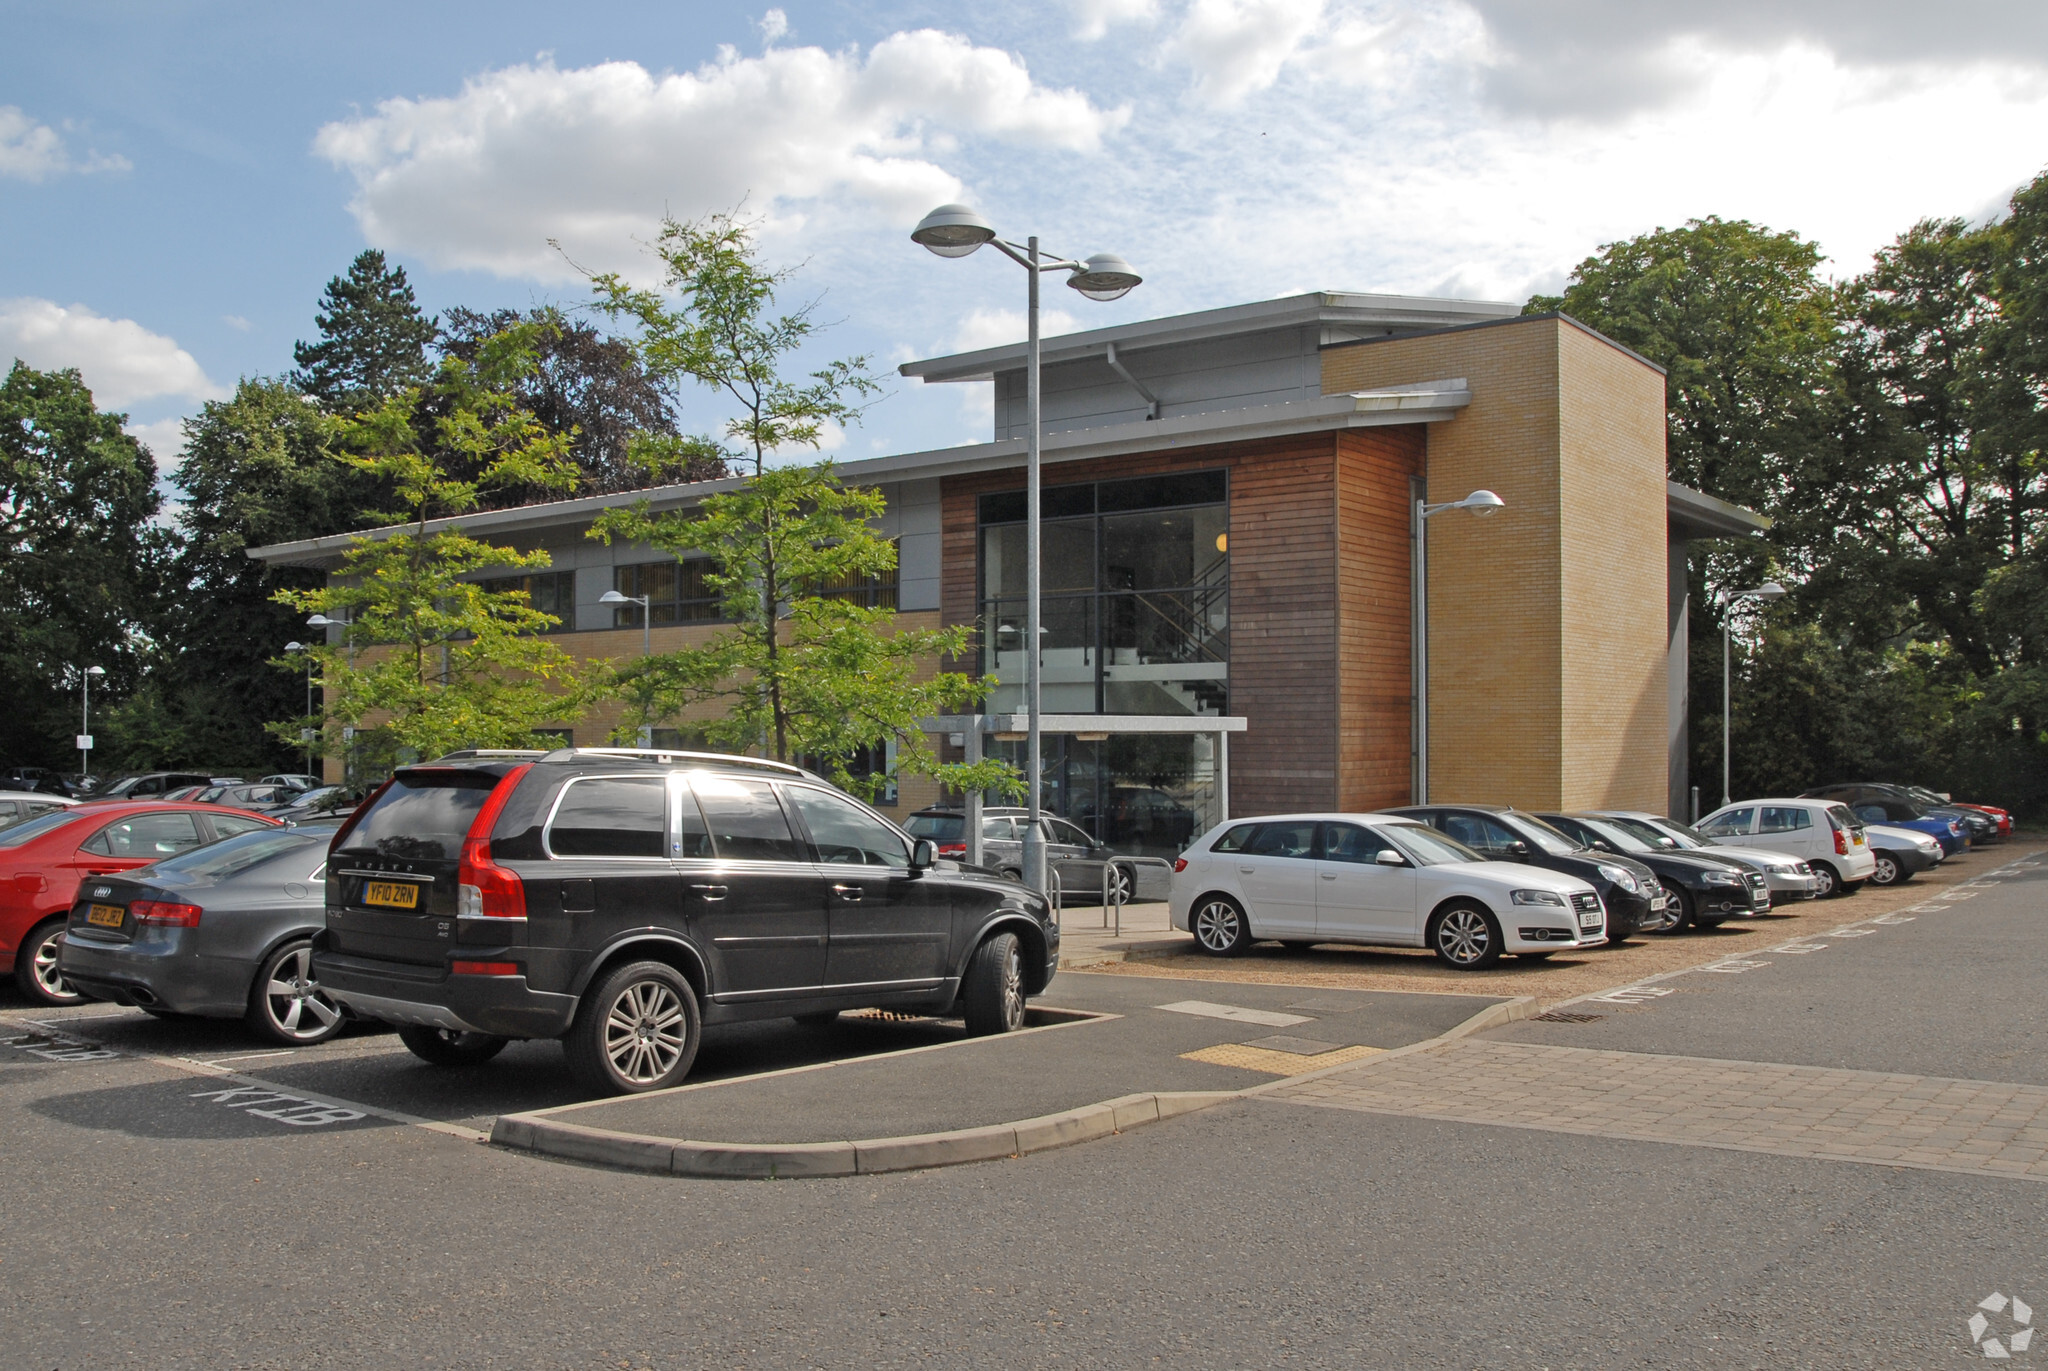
(1234, 1013)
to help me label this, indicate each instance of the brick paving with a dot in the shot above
(1929, 1122)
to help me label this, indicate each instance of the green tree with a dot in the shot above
(803, 670)
(258, 468)
(432, 657)
(594, 388)
(373, 339)
(81, 560)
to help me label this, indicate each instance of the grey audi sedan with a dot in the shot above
(219, 932)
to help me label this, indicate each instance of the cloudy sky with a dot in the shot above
(179, 179)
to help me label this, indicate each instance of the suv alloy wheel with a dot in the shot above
(637, 1030)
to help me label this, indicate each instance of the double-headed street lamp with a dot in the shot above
(1769, 590)
(1481, 503)
(956, 231)
(646, 602)
(85, 718)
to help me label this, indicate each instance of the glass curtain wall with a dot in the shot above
(1136, 610)
(1135, 597)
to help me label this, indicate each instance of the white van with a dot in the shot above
(1823, 833)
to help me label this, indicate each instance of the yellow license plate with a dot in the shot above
(106, 915)
(392, 894)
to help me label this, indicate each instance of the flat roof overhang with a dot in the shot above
(1088, 723)
(1426, 403)
(1695, 514)
(1343, 317)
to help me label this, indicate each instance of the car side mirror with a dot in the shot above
(923, 854)
(1099, 853)
(1518, 848)
(1388, 857)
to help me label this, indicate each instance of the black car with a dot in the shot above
(1905, 802)
(1699, 887)
(1631, 891)
(620, 899)
(220, 932)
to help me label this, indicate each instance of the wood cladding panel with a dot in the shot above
(1283, 601)
(1374, 553)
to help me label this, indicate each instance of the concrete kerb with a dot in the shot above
(923, 1151)
(868, 1156)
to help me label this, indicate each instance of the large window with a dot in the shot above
(1135, 586)
(677, 592)
(550, 592)
(875, 592)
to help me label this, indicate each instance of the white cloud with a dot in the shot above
(236, 322)
(987, 328)
(120, 359)
(32, 151)
(593, 156)
(165, 439)
(1095, 18)
(1237, 47)
(774, 26)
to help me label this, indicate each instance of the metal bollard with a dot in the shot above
(1108, 871)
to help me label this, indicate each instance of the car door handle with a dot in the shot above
(1247, 870)
(849, 893)
(1329, 875)
(710, 892)
(102, 870)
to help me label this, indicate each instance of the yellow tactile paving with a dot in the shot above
(1278, 1063)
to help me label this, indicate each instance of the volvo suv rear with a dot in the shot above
(620, 900)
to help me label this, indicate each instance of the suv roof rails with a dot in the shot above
(669, 754)
(478, 754)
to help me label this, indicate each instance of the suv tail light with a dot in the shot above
(483, 888)
(1180, 864)
(953, 850)
(164, 914)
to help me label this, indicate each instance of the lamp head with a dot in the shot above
(322, 621)
(612, 597)
(294, 647)
(952, 231)
(95, 671)
(1769, 590)
(1105, 276)
(1482, 502)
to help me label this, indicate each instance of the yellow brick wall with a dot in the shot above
(1615, 571)
(1540, 628)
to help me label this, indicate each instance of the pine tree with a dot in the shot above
(373, 339)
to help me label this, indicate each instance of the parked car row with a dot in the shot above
(1475, 882)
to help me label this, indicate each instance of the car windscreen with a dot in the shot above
(1620, 835)
(940, 828)
(424, 814)
(35, 828)
(231, 855)
(1681, 835)
(1425, 846)
(1534, 830)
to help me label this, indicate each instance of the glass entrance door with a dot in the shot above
(1143, 794)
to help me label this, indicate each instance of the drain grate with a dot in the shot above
(1566, 1016)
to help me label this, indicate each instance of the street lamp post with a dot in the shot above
(1481, 503)
(306, 733)
(1769, 590)
(646, 603)
(956, 231)
(85, 718)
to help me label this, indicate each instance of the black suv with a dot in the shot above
(619, 900)
(1631, 891)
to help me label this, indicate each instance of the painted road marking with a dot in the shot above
(299, 1113)
(1800, 947)
(60, 1047)
(1234, 1013)
(1735, 966)
(1632, 994)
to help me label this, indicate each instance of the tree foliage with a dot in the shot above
(432, 657)
(1892, 427)
(592, 388)
(803, 670)
(373, 339)
(80, 558)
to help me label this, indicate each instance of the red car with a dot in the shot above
(43, 861)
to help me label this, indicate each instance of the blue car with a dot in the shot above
(1948, 832)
